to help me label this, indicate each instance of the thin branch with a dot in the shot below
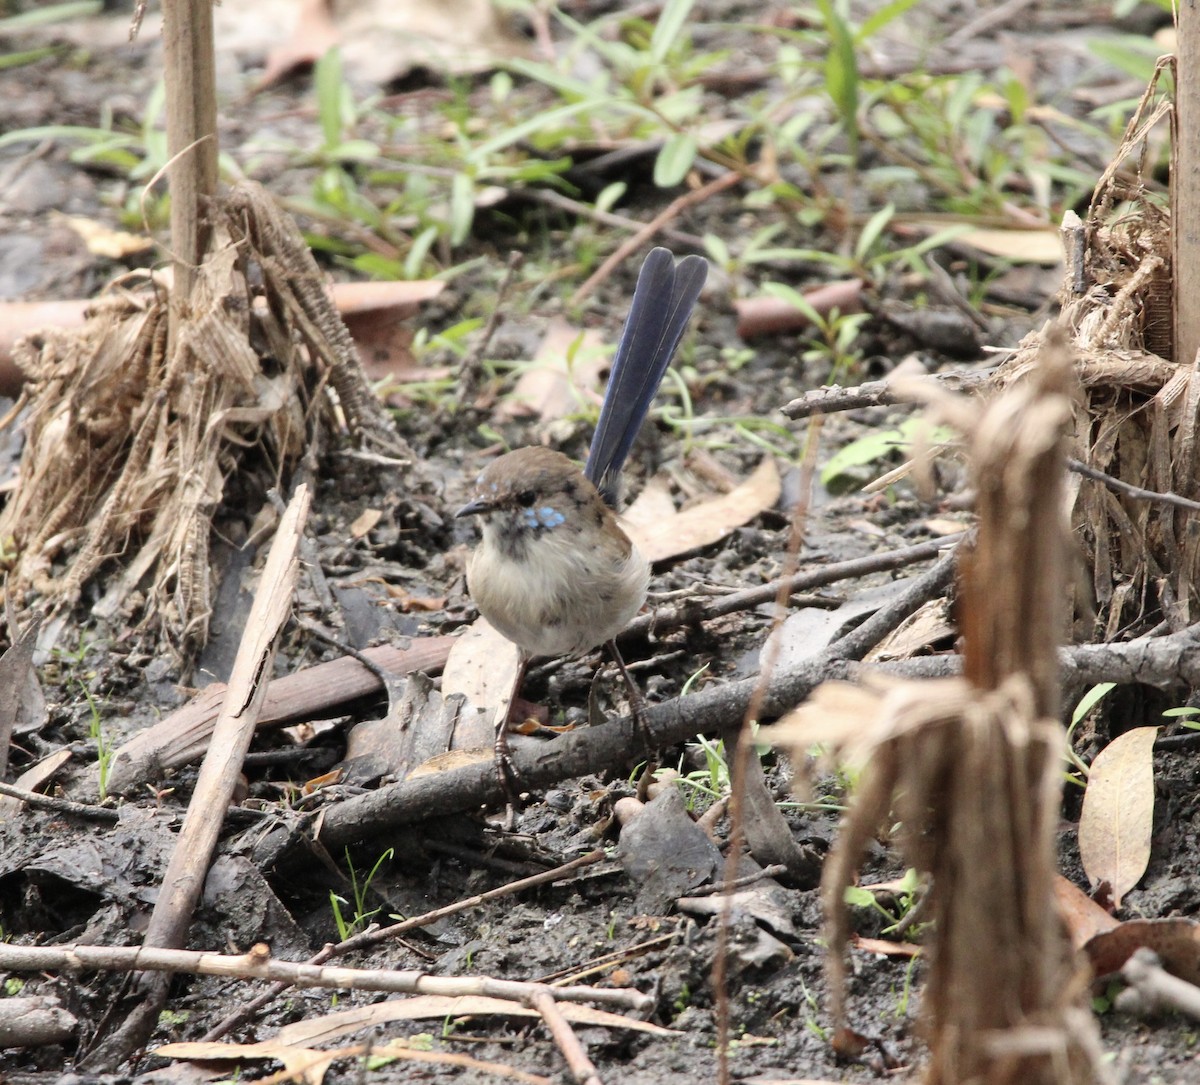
(578, 1062)
(259, 965)
(59, 806)
(1128, 490)
(368, 939)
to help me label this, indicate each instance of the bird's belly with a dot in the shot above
(564, 603)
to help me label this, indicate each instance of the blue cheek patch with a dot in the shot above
(545, 517)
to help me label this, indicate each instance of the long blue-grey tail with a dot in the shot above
(663, 301)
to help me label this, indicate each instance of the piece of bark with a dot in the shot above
(183, 736)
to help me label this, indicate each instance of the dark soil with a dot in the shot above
(64, 880)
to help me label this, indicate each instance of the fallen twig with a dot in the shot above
(632, 244)
(1161, 661)
(834, 398)
(370, 938)
(259, 965)
(1136, 492)
(1153, 989)
(580, 1065)
(60, 806)
(696, 609)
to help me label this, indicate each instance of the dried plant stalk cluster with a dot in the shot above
(131, 443)
(971, 767)
(1137, 419)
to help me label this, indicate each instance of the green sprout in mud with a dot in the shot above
(810, 1010)
(900, 1011)
(168, 1019)
(906, 899)
(104, 749)
(360, 888)
(1077, 768)
(709, 782)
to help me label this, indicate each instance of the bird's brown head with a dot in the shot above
(537, 486)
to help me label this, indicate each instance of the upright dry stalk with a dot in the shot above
(971, 767)
(1005, 1003)
(191, 108)
(1185, 181)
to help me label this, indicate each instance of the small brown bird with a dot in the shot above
(553, 571)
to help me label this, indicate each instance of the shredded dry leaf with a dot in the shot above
(131, 445)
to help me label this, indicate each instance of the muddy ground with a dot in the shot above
(65, 880)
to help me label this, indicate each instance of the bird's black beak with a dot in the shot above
(474, 508)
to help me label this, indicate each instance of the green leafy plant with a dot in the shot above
(879, 445)
(906, 898)
(1188, 716)
(360, 888)
(1079, 768)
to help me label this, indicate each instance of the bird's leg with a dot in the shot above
(637, 703)
(507, 771)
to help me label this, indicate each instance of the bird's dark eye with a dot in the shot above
(526, 498)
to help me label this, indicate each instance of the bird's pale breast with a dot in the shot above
(556, 596)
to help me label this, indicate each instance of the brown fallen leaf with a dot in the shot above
(885, 948)
(1083, 917)
(551, 388)
(383, 41)
(1176, 940)
(313, 34)
(1117, 819)
(709, 521)
(1038, 246)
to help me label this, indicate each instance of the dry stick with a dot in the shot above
(882, 393)
(776, 870)
(929, 585)
(605, 218)
(218, 778)
(1136, 492)
(370, 938)
(631, 245)
(60, 806)
(1153, 989)
(1161, 661)
(1185, 184)
(692, 611)
(259, 965)
(581, 1066)
(468, 371)
(189, 63)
